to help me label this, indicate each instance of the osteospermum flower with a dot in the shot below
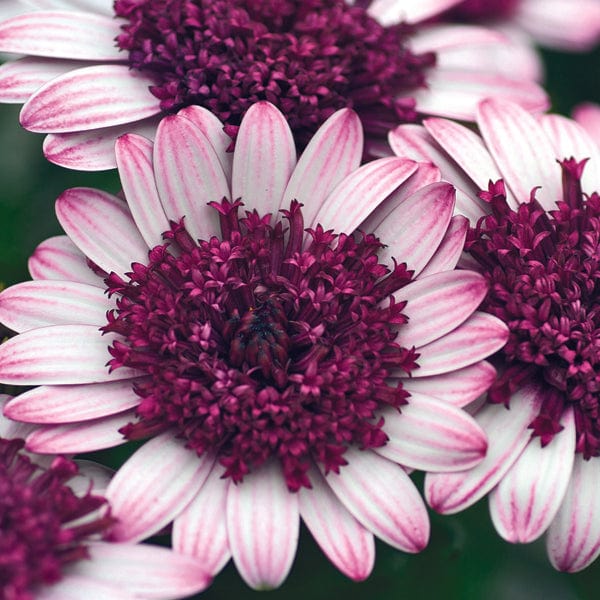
(535, 237)
(282, 359)
(92, 72)
(52, 521)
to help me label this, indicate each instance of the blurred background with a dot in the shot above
(465, 559)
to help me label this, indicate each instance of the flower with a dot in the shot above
(309, 58)
(587, 115)
(560, 24)
(272, 366)
(53, 520)
(534, 237)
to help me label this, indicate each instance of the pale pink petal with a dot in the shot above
(150, 572)
(134, 157)
(72, 403)
(458, 388)
(59, 354)
(381, 496)
(91, 476)
(57, 258)
(508, 434)
(332, 154)
(62, 34)
(573, 540)
(477, 338)
(102, 227)
(92, 150)
(431, 435)
(440, 37)
(90, 98)
(154, 485)
(587, 115)
(263, 524)
(12, 429)
(73, 587)
(189, 175)
(101, 7)
(448, 252)
(389, 12)
(345, 542)
(522, 151)
(264, 158)
(524, 503)
(200, 530)
(34, 304)
(354, 198)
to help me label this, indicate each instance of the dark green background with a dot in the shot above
(465, 559)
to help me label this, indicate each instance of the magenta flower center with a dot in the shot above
(307, 57)
(264, 342)
(36, 513)
(476, 10)
(544, 269)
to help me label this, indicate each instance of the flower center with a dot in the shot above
(544, 269)
(263, 343)
(36, 511)
(307, 57)
(476, 10)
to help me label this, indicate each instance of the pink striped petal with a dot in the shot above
(34, 304)
(345, 542)
(573, 540)
(458, 388)
(134, 158)
(58, 258)
(477, 338)
(59, 354)
(73, 587)
(508, 434)
(389, 12)
(526, 500)
(62, 34)
(101, 7)
(151, 572)
(102, 227)
(587, 115)
(154, 485)
(522, 151)
(332, 154)
(440, 37)
(72, 403)
(382, 497)
(438, 304)
(448, 253)
(354, 198)
(12, 429)
(264, 158)
(431, 435)
(188, 175)
(73, 438)
(90, 98)
(263, 523)
(200, 530)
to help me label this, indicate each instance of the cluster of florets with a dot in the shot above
(476, 10)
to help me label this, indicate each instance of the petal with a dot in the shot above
(431, 435)
(448, 253)
(102, 227)
(477, 338)
(101, 7)
(73, 587)
(263, 524)
(12, 429)
(90, 98)
(441, 36)
(264, 158)
(587, 115)
(93, 473)
(527, 498)
(508, 434)
(390, 12)
(345, 542)
(72, 403)
(34, 304)
(382, 497)
(59, 354)
(153, 486)
(200, 530)
(573, 540)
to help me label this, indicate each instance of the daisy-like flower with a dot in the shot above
(283, 360)
(53, 518)
(92, 72)
(561, 24)
(535, 237)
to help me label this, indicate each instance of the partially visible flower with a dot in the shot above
(536, 238)
(52, 526)
(308, 57)
(283, 360)
(587, 115)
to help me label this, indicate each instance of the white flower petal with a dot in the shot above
(389, 12)
(75, 588)
(448, 253)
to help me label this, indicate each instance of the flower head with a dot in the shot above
(534, 236)
(89, 75)
(283, 360)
